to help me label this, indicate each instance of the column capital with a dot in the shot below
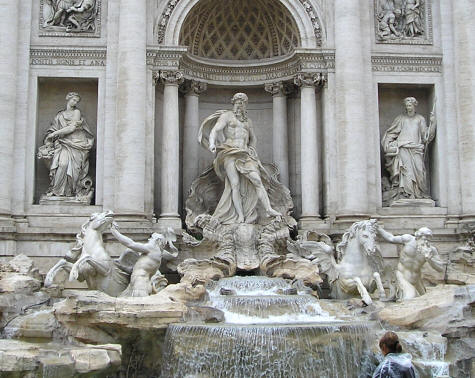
(278, 88)
(193, 87)
(305, 79)
(168, 77)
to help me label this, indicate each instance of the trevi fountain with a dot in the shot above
(236, 188)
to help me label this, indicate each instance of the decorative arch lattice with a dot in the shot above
(239, 30)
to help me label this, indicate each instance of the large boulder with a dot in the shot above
(444, 308)
(19, 358)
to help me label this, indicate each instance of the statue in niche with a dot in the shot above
(236, 163)
(70, 15)
(405, 146)
(237, 206)
(66, 154)
(146, 278)
(416, 251)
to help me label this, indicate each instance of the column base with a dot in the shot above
(346, 220)
(311, 222)
(169, 220)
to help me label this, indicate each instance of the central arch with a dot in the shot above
(304, 17)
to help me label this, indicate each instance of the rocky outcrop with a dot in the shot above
(21, 358)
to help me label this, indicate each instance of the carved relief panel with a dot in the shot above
(403, 21)
(69, 18)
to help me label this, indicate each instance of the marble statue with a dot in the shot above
(405, 146)
(146, 278)
(415, 252)
(65, 152)
(89, 261)
(238, 205)
(356, 268)
(236, 163)
(412, 18)
(70, 15)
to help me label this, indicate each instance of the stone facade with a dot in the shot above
(325, 80)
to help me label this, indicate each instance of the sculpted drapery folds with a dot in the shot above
(405, 146)
(248, 186)
(66, 151)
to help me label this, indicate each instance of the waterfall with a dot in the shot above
(267, 334)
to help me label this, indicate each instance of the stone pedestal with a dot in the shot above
(421, 202)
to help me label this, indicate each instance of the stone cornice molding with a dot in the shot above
(166, 57)
(58, 56)
(244, 73)
(307, 79)
(404, 63)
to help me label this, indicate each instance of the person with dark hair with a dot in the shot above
(395, 364)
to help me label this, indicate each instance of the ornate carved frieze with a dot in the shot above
(312, 14)
(403, 21)
(70, 18)
(68, 57)
(402, 63)
(265, 71)
(165, 58)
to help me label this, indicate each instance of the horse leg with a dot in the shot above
(379, 284)
(51, 275)
(102, 269)
(363, 292)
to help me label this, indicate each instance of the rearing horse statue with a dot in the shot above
(89, 261)
(355, 270)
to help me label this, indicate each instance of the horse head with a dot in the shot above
(362, 233)
(101, 221)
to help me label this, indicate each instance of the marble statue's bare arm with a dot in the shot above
(401, 239)
(128, 242)
(252, 136)
(435, 261)
(220, 125)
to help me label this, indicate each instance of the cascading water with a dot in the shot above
(267, 334)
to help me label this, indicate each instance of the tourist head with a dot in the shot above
(410, 103)
(389, 343)
(73, 98)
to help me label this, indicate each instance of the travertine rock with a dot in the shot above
(18, 357)
(444, 308)
(18, 283)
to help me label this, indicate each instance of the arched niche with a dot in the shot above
(306, 15)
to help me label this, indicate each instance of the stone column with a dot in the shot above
(464, 36)
(351, 121)
(192, 90)
(309, 148)
(131, 109)
(8, 90)
(280, 142)
(170, 162)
